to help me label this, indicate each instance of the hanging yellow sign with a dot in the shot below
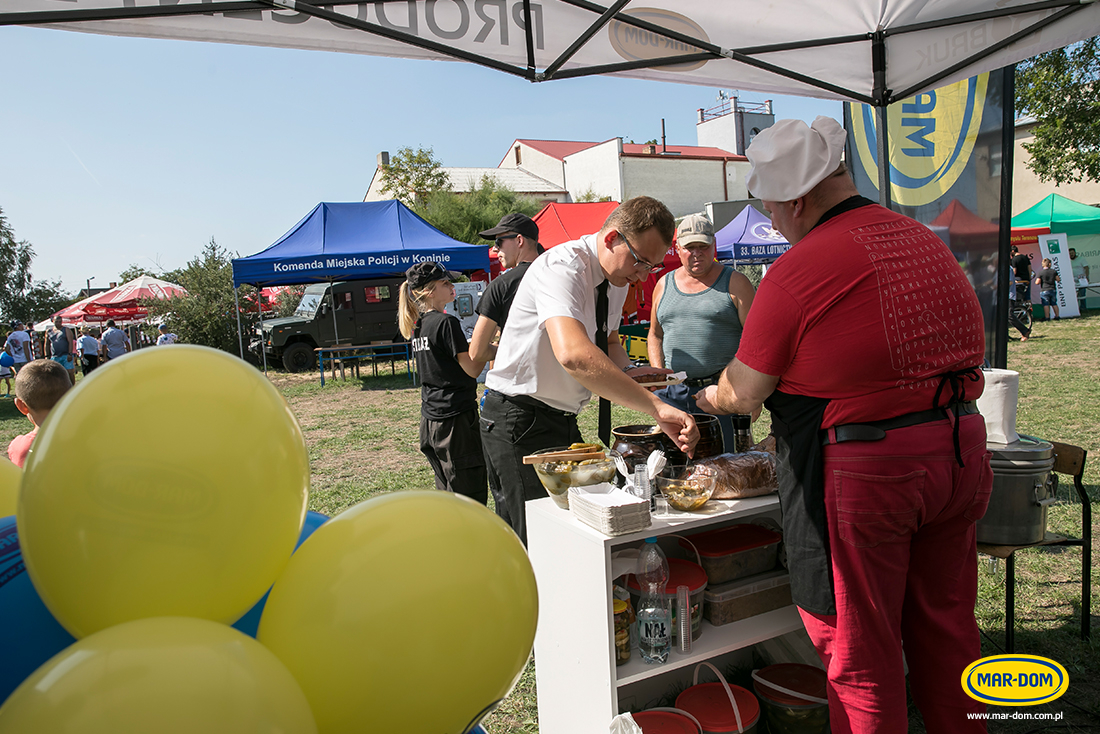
(931, 139)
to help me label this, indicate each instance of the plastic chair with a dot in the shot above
(1068, 460)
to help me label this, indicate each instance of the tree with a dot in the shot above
(208, 314)
(21, 297)
(1059, 89)
(412, 176)
(462, 216)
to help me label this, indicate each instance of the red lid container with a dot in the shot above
(794, 677)
(731, 539)
(664, 722)
(709, 703)
(680, 573)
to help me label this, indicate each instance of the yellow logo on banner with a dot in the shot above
(931, 139)
(1015, 680)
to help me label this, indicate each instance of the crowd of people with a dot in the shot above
(869, 371)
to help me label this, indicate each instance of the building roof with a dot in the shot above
(556, 148)
(561, 148)
(516, 179)
(685, 151)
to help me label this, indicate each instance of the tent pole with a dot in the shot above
(999, 355)
(260, 311)
(881, 96)
(332, 297)
(240, 340)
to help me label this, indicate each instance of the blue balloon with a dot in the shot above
(250, 622)
(6, 360)
(29, 634)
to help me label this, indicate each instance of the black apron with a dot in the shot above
(800, 467)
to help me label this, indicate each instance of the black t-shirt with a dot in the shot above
(445, 388)
(496, 302)
(1021, 265)
(1048, 279)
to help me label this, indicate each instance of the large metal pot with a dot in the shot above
(1017, 513)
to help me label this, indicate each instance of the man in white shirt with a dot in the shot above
(548, 365)
(19, 346)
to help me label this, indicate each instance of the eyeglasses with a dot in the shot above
(639, 263)
(499, 241)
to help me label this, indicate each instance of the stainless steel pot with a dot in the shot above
(1022, 490)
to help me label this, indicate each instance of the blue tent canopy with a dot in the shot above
(750, 237)
(355, 240)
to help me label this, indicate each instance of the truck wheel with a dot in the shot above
(298, 357)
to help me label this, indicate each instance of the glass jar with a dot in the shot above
(624, 615)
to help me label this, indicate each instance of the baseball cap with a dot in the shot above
(694, 228)
(514, 222)
(421, 274)
(162, 327)
(790, 158)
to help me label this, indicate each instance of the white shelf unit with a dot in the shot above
(578, 681)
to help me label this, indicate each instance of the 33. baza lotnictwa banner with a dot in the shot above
(945, 149)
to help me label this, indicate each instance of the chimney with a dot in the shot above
(649, 149)
(383, 158)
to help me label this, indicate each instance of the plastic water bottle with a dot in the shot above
(654, 615)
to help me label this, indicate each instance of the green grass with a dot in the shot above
(363, 441)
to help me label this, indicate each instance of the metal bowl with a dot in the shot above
(558, 476)
(687, 488)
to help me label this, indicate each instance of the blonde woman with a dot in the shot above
(450, 437)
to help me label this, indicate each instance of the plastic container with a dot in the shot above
(710, 704)
(680, 572)
(664, 722)
(747, 597)
(793, 714)
(735, 551)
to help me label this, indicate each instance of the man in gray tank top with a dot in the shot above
(698, 312)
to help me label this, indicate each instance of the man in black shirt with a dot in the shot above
(1021, 266)
(516, 240)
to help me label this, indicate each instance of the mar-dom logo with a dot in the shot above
(636, 44)
(931, 139)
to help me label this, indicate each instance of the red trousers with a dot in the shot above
(901, 516)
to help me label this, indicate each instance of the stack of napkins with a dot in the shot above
(607, 508)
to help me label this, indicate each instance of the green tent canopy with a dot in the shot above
(1060, 215)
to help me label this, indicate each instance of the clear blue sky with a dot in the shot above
(120, 151)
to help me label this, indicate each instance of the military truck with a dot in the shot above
(365, 312)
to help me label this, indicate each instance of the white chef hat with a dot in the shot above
(788, 159)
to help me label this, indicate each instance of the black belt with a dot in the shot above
(529, 402)
(876, 430)
(703, 381)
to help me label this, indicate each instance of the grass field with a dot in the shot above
(363, 437)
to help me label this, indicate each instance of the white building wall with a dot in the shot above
(537, 162)
(596, 170)
(720, 132)
(374, 191)
(683, 184)
(1028, 190)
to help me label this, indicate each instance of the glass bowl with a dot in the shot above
(687, 488)
(559, 476)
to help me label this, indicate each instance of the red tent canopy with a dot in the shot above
(120, 304)
(966, 228)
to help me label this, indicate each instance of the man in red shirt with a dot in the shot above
(864, 342)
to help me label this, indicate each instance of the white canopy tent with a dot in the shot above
(871, 51)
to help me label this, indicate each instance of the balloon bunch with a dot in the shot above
(162, 502)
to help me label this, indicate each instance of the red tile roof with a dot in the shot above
(683, 150)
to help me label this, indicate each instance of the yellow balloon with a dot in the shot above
(171, 482)
(10, 476)
(165, 675)
(413, 611)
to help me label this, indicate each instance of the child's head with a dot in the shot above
(38, 387)
(1046, 262)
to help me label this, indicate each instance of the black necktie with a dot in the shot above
(601, 342)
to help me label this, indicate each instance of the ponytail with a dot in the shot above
(410, 305)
